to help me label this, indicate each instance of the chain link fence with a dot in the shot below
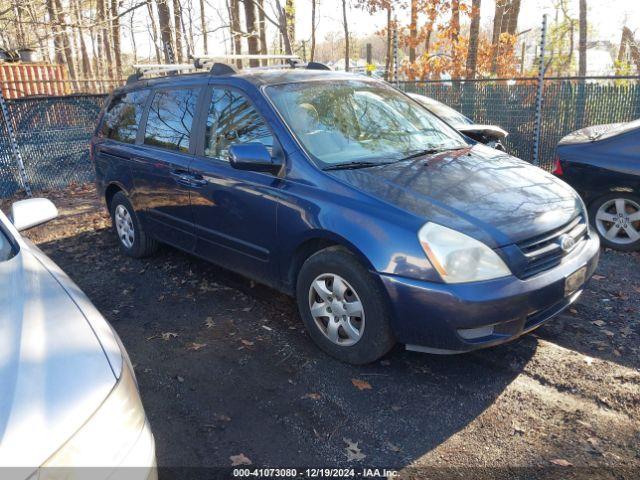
(567, 105)
(53, 133)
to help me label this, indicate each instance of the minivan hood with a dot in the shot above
(482, 192)
(54, 373)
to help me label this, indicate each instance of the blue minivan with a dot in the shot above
(386, 224)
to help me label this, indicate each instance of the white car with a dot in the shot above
(68, 394)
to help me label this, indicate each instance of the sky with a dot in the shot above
(605, 17)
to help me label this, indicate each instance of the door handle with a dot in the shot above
(187, 179)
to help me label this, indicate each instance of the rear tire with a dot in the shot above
(133, 240)
(351, 313)
(616, 218)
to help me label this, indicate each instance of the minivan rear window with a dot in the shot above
(170, 118)
(123, 116)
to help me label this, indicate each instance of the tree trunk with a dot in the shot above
(203, 26)
(102, 18)
(86, 60)
(115, 34)
(154, 30)
(234, 24)
(57, 39)
(513, 14)
(313, 30)
(290, 16)
(387, 60)
(66, 42)
(474, 34)
(346, 36)
(252, 38)
(413, 31)
(582, 42)
(262, 28)
(498, 18)
(164, 19)
(177, 27)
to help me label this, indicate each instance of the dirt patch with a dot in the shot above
(226, 368)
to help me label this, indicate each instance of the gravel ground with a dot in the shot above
(226, 369)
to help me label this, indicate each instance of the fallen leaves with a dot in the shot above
(352, 451)
(561, 462)
(168, 336)
(598, 277)
(246, 343)
(196, 346)
(599, 323)
(240, 459)
(209, 322)
(361, 384)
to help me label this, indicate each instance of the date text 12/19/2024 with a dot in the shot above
(315, 473)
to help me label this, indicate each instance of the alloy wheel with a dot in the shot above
(618, 220)
(336, 309)
(124, 226)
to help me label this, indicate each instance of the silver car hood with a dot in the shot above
(54, 371)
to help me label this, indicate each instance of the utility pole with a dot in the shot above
(540, 92)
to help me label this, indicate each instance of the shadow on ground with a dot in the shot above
(225, 368)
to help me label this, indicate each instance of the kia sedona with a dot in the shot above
(69, 401)
(386, 224)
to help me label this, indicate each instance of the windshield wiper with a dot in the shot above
(428, 151)
(355, 164)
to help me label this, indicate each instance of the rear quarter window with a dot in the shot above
(122, 117)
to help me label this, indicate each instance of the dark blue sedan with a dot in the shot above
(385, 223)
(602, 163)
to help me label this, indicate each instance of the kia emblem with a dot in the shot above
(567, 242)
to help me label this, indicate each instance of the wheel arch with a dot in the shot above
(316, 241)
(110, 192)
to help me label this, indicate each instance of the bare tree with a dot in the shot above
(313, 29)
(413, 31)
(151, 25)
(582, 42)
(474, 34)
(115, 34)
(252, 36)
(203, 27)
(236, 31)
(345, 24)
(262, 29)
(164, 20)
(177, 28)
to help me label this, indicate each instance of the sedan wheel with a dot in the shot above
(124, 226)
(618, 221)
(336, 309)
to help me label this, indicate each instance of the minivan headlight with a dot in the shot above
(107, 437)
(459, 258)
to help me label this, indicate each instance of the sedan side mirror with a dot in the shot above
(34, 211)
(253, 156)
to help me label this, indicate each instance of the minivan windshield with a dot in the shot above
(349, 122)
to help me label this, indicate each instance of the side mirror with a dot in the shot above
(34, 211)
(253, 156)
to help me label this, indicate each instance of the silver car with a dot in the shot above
(68, 395)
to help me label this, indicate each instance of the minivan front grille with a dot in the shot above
(546, 251)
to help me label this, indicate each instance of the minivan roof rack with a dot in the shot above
(217, 65)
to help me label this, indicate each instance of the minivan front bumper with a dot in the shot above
(456, 318)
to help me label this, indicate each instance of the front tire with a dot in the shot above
(343, 308)
(133, 240)
(616, 218)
